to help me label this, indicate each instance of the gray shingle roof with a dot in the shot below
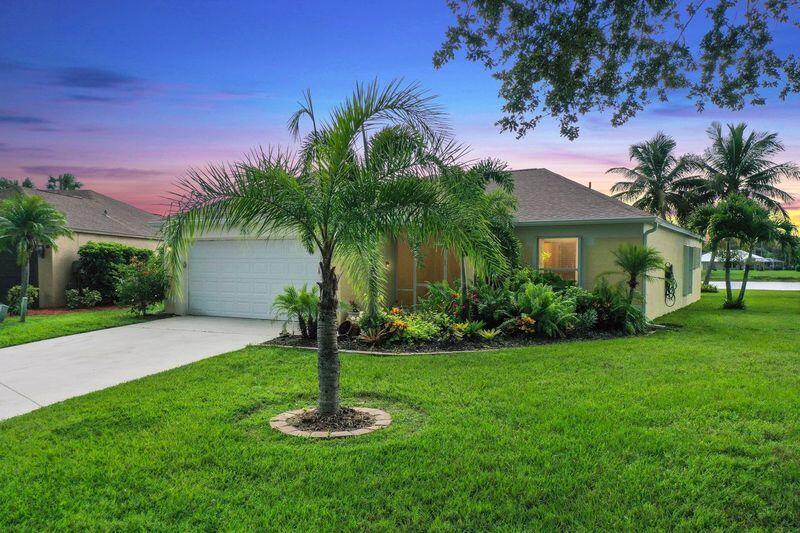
(92, 212)
(546, 196)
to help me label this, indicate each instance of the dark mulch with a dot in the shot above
(345, 419)
(356, 344)
(64, 310)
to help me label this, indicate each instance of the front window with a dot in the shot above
(560, 256)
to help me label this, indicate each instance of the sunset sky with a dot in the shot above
(126, 96)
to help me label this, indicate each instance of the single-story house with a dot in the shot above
(565, 227)
(738, 260)
(92, 217)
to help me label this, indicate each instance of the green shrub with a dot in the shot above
(14, 295)
(586, 321)
(141, 284)
(552, 312)
(302, 305)
(583, 299)
(492, 304)
(519, 278)
(613, 310)
(84, 298)
(418, 327)
(97, 265)
(465, 330)
(708, 288)
(441, 298)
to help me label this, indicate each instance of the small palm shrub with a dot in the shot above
(141, 284)
(636, 261)
(13, 298)
(302, 305)
(83, 298)
(553, 313)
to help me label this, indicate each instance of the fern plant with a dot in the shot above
(553, 313)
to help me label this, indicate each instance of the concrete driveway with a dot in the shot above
(40, 373)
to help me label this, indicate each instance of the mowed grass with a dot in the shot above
(40, 327)
(691, 428)
(757, 275)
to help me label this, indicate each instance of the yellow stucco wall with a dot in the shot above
(55, 269)
(670, 244)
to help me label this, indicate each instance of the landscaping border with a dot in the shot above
(382, 420)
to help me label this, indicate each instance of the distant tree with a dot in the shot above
(28, 183)
(566, 59)
(8, 183)
(64, 182)
(660, 180)
(27, 222)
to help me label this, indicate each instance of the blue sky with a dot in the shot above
(127, 95)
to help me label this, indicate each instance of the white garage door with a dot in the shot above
(240, 278)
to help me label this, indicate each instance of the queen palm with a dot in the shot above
(741, 163)
(349, 188)
(27, 223)
(659, 181)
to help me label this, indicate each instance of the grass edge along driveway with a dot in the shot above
(41, 327)
(693, 428)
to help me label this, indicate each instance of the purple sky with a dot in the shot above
(127, 97)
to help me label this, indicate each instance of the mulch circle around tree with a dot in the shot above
(348, 422)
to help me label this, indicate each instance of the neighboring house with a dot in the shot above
(92, 217)
(738, 260)
(564, 227)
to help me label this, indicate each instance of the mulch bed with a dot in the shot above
(356, 344)
(345, 419)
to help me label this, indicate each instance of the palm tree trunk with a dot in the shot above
(463, 291)
(711, 265)
(728, 290)
(745, 275)
(25, 277)
(632, 283)
(327, 346)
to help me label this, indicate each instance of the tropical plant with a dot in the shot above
(302, 305)
(342, 202)
(741, 163)
(614, 311)
(493, 304)
(64, 182)
(586, 321)
(659, 181)
(441, 298)
(418, 327)
(552, 312)
(636, 262)
(8, 183)
(141, 284)
(488, 334)
(28, 223)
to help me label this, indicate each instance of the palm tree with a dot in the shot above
(27, 223)
(303, 305)
(659, 181)
(740, 163)
(467, 186)
(636, 262)
(338, 199)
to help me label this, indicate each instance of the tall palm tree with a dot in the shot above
(658, 182)
(636, 262)
(741, 163)
(339, 199)
(27, 223)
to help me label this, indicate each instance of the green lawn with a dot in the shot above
(757, 275)
(39, 327)
(685, 429)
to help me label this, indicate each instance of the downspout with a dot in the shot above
(644, 281)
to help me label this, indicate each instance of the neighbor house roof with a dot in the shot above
(545, 197)
(92, 212)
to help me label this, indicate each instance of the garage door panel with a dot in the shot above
(242, 278)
